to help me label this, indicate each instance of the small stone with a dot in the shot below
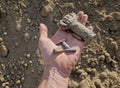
(5, 33)
(107, 54)
(92, 64)
(85, 56)
(32, 71)
(27, 55)
(30, 62)
(79, 71)
(83, 75)
(113, 63)
(101, 58)
(28, 20)
(21, 62)
(4, 50)
(1, 78)
(3, 66)
(22, 3)
(18, 22)
(38, 52)
(108, 59)
(7, 87)
(98, 83)
(35, 37)
(3, 84)
(22, 78)
(103, 67)
(115, 45)
(18, 82)
(93, 71)
(88, 70)
(47, 8)
(25, 65)
(1, 39)
(85, 84)
(103, 75)
(27, 36)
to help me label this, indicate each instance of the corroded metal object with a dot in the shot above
(65, 47)
(70, 23)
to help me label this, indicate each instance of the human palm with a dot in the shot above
(64, 61)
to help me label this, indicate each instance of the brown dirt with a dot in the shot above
(20, 61)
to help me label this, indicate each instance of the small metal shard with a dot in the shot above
(59, 50)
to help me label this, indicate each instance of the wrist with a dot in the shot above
(53, 78)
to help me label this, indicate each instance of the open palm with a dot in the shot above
(63, 61)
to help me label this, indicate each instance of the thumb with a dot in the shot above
(43, 31)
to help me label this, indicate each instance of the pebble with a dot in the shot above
(1, 78)
(85, 84)
(107, 54)
(3, 66)
(101, 58)
(83, 75)
(88, 70)
(28, 20)
(5, 33)
(18, 82)
(92, 51)
(103, 75)
(7, 87)
(1, 39)
(38, 52)
(114, 45)
(102, 66)
(85, 56)
(93, 64)
(27, 36)
(30, 62)
(25, 65)
(47, 8)
(4, 50)
(18, 24)
(79, 71)
(113, 63)
(32, 71)
(98, 83)
(93, 71)
(5, 84)
(22, 3)
(108, 59)
(22, 78)
(112, 75)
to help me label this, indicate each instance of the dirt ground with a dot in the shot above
(21, 64)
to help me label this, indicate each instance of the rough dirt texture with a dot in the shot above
(20, 60)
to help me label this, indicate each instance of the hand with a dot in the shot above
(64, 61)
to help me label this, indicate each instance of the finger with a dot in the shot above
(43, 31)
(80, 15)
(90, 28)
(82, 18)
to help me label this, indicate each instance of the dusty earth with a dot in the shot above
(21, 64)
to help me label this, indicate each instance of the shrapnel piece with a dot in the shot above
(70, 22)
(65, 47)
(59, 50)
(63, 43)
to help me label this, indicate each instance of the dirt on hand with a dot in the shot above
(21, 64)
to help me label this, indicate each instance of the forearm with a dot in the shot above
(53, 78)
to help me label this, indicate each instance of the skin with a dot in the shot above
(58, 66)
